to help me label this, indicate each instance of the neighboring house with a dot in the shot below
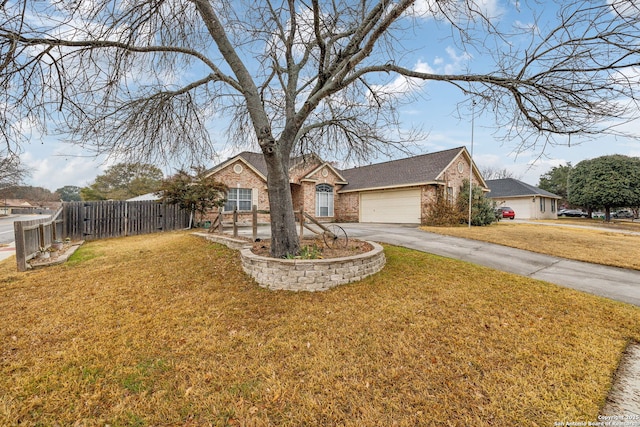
(145, 197)
(8, 206)
(527, 201)
(397, 191)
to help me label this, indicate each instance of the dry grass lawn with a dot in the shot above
(602, 246)
(166, 330)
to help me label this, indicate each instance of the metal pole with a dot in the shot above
(473, 110)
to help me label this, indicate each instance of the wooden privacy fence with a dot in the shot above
(114, 218)
(96, 220)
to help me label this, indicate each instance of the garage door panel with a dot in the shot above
(394, 206)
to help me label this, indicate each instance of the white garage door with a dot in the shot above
(395, 206)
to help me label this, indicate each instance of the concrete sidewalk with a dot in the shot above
(7, 251)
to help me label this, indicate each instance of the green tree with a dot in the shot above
(90, 194)
(606, 182)
(556, 180)
(69, 193)
(124, 181)
(196, 192)
(482, 211)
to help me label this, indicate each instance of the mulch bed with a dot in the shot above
(56, 257)
(318, 249)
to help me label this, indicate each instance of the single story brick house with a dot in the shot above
(527, 201)
(396, 191)
(7, 206)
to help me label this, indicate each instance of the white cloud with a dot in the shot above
(456, 61)
(55, 171)
(624, 8)
(402, 86)
(458, 11)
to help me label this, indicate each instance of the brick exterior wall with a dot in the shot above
(347, 207)
(303, 187)
(451, 177)
(307, 200)
(454, 177)
(247, 178)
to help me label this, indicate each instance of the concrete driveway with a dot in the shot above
(615, 283)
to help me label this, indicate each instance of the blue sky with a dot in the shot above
(55, 164)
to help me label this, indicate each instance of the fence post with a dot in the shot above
(235, 222)
(255, 222)
(126, 218)
(41, 241)
(301, 223)
(21, 256)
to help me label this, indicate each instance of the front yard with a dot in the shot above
(167, 330)
(600, 243)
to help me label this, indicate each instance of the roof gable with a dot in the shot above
(327, 165)
(256, 162)
(510, 187)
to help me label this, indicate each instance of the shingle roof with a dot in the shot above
(15, 203)
(510, 187)
(413, 170)
(256, 160)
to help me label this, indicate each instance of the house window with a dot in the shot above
(450, 194)
(553, 205)
(238, 198)
(324, 200)
(542, 204)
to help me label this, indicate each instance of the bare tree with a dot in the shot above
(12, 172)
(145, 78)
(490, 172)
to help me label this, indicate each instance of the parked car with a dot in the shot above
(506, 212)
(598, 215)
(572, 213)
(622, 214)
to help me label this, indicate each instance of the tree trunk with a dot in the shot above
(284, 236)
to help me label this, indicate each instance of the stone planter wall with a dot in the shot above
(311, 274)
(305, 274)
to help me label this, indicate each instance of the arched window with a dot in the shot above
(324, 200)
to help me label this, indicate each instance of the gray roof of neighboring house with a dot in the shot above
(510, 187)
(144, 197)
(413, 170)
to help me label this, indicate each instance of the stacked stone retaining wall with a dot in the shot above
(304, 274)
(311, 275)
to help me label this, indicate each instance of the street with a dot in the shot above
(6, 225)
